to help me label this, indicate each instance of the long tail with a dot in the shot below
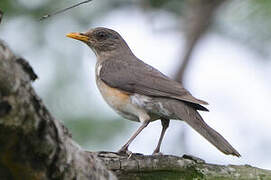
(193, 118)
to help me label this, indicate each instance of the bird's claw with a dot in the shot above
(125, 151)
(157, 154)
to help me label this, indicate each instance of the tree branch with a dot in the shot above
(33, 145)
(198, 18)
(1, 15)
(173, 167)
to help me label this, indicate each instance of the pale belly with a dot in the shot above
(121, 102)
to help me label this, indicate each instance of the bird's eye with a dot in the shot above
(101, 35)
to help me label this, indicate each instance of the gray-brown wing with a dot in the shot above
(138, 77)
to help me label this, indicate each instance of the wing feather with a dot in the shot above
(137, 77)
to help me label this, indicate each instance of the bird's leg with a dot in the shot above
(165, 123)
(124, 148)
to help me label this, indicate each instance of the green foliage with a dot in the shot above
(247, 22)
(172, 6)
(95, 130)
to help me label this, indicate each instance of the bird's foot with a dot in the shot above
(125, 151)
(157, 152)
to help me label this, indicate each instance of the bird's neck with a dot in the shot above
(114, 54)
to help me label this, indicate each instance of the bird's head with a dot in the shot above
(101, 40)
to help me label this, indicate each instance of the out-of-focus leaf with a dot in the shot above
(85, 130)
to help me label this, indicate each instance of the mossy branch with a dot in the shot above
(168, 167)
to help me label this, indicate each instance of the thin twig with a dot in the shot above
(63, 10)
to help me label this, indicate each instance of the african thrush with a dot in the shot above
(141, 93)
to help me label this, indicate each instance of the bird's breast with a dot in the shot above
(114, 97)
(119, 101)
(131, 106)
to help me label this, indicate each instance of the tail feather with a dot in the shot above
(193, 118)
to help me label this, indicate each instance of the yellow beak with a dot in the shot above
(78, 36)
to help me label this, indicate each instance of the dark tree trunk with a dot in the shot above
(34, 145)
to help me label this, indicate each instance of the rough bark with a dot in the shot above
(34, 145)
(169, 167)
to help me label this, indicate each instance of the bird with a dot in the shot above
(141, 93)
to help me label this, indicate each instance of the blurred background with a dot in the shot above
(219, 50)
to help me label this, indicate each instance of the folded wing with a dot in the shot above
(137, 77)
